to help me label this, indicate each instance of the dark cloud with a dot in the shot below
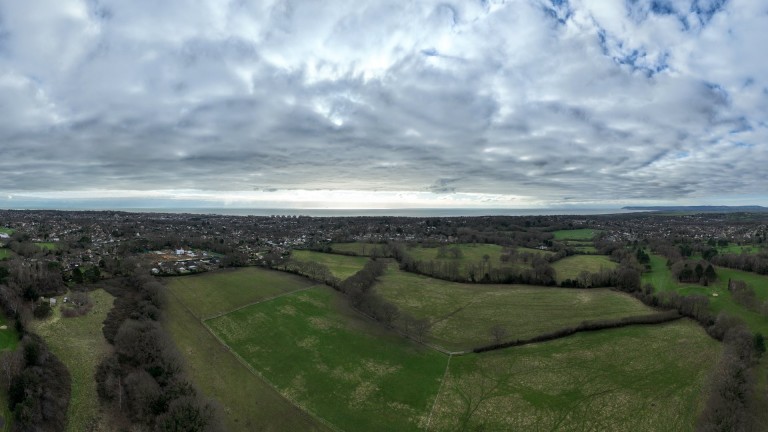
(529, 100)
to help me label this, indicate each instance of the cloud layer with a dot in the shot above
(550, 100)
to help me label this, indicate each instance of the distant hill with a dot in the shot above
(702, 209)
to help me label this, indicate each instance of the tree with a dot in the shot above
(498, 333)
(759, 344)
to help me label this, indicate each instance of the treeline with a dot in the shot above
(539, 273)
(38, 384)
(143, 379)
(731, 388)
(757, 263)
(586, 326)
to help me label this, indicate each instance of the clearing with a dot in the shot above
(570, 267)
(341, 266)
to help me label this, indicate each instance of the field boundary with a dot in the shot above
(264, 300)
(251, 369)
(439, 391)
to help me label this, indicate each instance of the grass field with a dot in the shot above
(570, 267)
(359, 248)
(641, 378)
(575, 234)
(8, 336)
(738, 249)
(340, 266)
(80, 345)
(47, 245)
(5, 253)
(662, 280)
(462, 314)
(335, 363)
(8, 231)
(218, 292)
(248, 403)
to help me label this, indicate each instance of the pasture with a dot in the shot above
(248, 403)
(575, 234)
(360, 248)
(570, 267)
(661, 278)
(341, 266)
(639, 378)
(463, 314)
(222, 291)
(79, 343)
(334, 362)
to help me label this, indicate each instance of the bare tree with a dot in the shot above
(498, 333)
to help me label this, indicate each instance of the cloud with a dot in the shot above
(593, 100)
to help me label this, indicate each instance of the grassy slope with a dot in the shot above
(575, 234)
(80, 345)
(642, 378)
(211, 293)
(248, 402)
(570, 267)
(340, 265)
(464, 313)
(662, 280)
(337, 364)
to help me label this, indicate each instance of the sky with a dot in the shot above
(383, 104)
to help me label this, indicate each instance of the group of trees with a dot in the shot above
(539, 272)
(757, 263)
(143, 379)
(689, 271)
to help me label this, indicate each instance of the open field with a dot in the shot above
(738, 249)
(575, 234)
(462, 314)
(570, 267)
(340, 266)
(8, 231)
(662, 280)
(79, 343)
(8, 336)
(218, 292)
(47, 245)
(641, 378)
(248, 403)
(334, 362)
(5, 253)
(359, 248)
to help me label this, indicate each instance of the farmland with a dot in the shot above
(570, 267)
(462, 314)
(575, 234)
(341, 266)
(335, 363)
(643, 378)
(247, 401)
(78, 342)
(212, 293)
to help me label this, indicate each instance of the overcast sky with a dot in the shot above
(385, 103)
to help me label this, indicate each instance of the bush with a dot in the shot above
(42, 310)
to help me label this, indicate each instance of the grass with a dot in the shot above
(218, 292)
(359, 248)
(641, 378)
(462, 314)
(335, 363)
(738, 249)
(570, 267)
(8, 231)
(9, 339)
(80, 345)
(47, 245)
(248, 403)
(575, 234)
(340, 266)
(4, 253)
(662, 280)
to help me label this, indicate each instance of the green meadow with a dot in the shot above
(341, 266)
(575, 234)
(463, 314)
(570, 267)
(335, 363)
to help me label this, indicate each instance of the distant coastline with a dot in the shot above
(402, 212)
(701, 209)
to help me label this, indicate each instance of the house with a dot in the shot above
(53, 301)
